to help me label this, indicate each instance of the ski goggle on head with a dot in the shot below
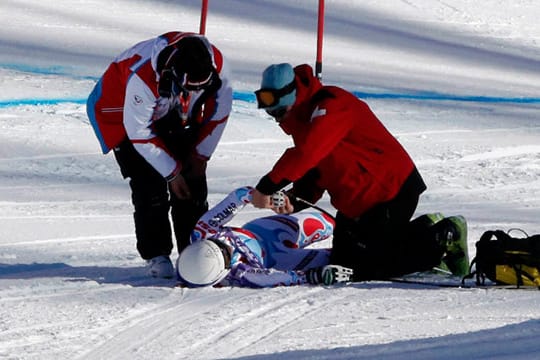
(267, 98)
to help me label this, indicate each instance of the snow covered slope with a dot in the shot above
(71, 282)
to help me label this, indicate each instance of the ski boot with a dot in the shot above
(423, 223)
(427, 220)
(452, 236)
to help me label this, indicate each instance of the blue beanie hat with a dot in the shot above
(278, 76)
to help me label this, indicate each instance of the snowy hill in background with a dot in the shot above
(71, 282)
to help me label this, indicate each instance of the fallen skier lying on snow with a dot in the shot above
(264, 252)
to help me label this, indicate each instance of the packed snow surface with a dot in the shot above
(456, 81)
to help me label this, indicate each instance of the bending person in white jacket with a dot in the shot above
(265, 252)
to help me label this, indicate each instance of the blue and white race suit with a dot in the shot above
(268, 251)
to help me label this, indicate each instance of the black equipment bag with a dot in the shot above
(507, 260)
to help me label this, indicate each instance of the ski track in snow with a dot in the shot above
(125, 310)
(241, 327)
(497, 153)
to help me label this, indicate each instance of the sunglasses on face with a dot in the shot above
(270, 97)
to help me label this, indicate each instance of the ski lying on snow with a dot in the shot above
(449, 281)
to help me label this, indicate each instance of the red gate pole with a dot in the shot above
(204, 10)
(320, 31)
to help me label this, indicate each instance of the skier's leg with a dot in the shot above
(301, 259)
(293, 231)
(284, 236)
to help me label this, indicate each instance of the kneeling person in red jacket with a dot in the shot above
(341, 147)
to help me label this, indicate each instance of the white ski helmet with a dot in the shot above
(203, 263)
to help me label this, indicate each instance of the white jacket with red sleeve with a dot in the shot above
(125, 103)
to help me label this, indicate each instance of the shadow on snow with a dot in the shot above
(516, 341)
(132, 276)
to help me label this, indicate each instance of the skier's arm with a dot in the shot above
(247, 276)
(215, 219)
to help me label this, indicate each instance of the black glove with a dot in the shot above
(328, 275)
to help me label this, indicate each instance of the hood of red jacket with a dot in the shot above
(307, 84)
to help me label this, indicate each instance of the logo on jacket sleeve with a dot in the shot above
(137, 100)
(317, 112)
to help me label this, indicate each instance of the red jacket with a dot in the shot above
(356, 159)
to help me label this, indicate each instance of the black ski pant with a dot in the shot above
(383, 242)
(152, 202)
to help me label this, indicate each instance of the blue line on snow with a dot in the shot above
(250, 97)
(447, 97)
(51, 70)
(20, 102)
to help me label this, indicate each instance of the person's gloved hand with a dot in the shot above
(329, 274)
